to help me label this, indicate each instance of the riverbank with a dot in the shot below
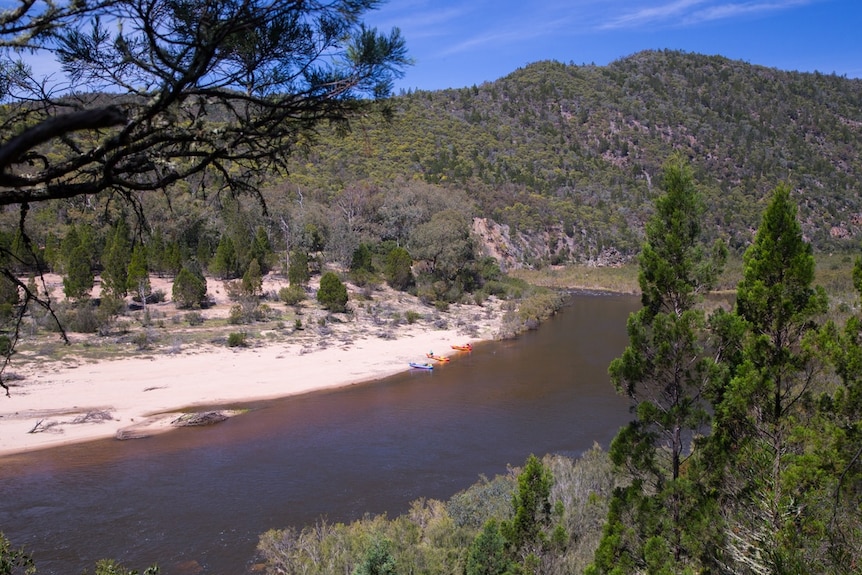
(74, 399)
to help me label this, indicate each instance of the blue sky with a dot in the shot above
(458, 44)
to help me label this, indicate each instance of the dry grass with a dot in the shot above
(622, 279)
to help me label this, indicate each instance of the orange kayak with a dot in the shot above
(467, 347)
(437, 357)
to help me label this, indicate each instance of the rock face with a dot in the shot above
(517, 249)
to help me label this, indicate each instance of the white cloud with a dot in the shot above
(690, 12)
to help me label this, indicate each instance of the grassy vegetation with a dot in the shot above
(435, 536)
(623, 279)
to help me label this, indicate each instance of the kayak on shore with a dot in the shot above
(417, 365)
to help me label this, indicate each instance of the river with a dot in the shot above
(195, 500)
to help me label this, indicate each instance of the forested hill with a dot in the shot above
(577, 150)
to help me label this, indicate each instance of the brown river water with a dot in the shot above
(195, 500)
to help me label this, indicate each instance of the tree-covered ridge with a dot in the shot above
(580, 147)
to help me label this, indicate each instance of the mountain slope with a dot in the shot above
(576, 151)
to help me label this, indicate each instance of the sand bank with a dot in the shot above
(53, 403)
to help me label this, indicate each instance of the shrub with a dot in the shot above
(194, 318)
(190, 288)
(236, 315)
(5, 345)
(237, 339)
(397, 271)
(144, 339)
(291, 295)
(361, 260)
(332, 294)
(297, 272)
(412, 316)
(252, 280)
(233, 290)
(79, 317)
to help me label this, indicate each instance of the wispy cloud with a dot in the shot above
(690, 12)
(502, 36)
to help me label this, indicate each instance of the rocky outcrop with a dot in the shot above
(517, 249)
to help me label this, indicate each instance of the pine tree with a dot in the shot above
(115, 261)
(190, 287)
(138, 274)
(487, 553)
(297, 272)
(526, 530)
(665, 371)
(76, 251)
(261, 250)
(761, 420)
(839, 454)
(252, 280)
(225, 264)
(332, 294)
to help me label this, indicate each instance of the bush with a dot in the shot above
(194, 318)
(252, 280)
(361, 260)
(79, 317)
(5, 345)
(240, 314)
(144, 339)
(297, 272)
(233, 290)
(332, 294)
(190, 288)
(291, 295)
(412, 316)
(398, 269)
(237, 339)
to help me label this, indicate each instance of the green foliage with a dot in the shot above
(225, 264)
(362, 259)
(532, 507)
(463, 535)
(14, 561)
(252, 279)
(378, 560)
(190, 288)
(112, 567)
(237, 339)
(487, 553)
(444, 243)
(261, 250)
(297, 272)
(666, 371)
(398, 270)
(116, 259)
(763, 409)
(77, 248)
(332, 294)
(9, 292)
(138, 275)
(194, 318)
(412, 316)
(291, 295)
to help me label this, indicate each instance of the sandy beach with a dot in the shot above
(57, 402)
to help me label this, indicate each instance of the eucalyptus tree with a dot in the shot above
(147, 95)
(665, 370)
